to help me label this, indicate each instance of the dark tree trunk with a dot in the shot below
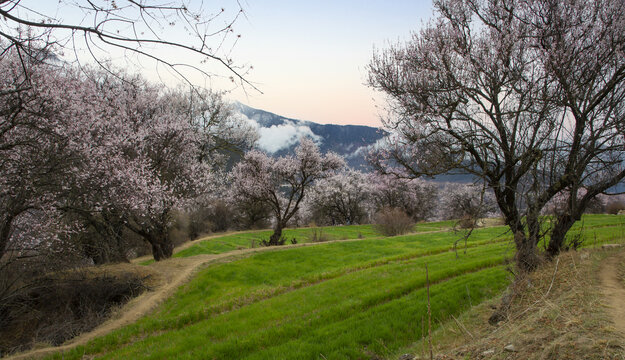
(118, 234)
(162, 248)
(110, 246)
(558, 234)
(527, 259)
(156, 234)
(275, 238)
(5, 232)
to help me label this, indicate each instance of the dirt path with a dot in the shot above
(171, 274)
(613, 290)
(188, 244)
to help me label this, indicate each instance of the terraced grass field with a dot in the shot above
(244, 240)
(339, 300)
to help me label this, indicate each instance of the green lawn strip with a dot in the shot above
(244, 240)
(231, 242)
(331, 300)
(593, 235)
(250, 296)
(267, 275)
(599, 220)
(305, 314)
(384, 329)
(590, 221)
(599, 235)
(264, 272)
(433, 226)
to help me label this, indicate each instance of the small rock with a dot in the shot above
(510, 348)
(585, 255)
(488, 352)
(496, 317)
(406, 357)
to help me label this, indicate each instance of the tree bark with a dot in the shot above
(162, 248)
(527, 259)
(274, 239)
(109, 247)
(558, 234)
(5, 233)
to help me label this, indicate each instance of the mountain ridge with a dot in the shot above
(280, 135)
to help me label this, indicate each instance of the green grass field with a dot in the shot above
(244, 240)
(340, 300)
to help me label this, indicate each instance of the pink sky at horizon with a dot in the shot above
(310, 58)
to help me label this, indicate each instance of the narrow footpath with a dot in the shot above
(613, 289)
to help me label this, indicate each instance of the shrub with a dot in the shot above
(178, 231)
(62, 306)
(221, 216)
(613, 207)
(417, 198)
(595, 206)
(467, 222)
(393, 221)
(283, 239)
(199, 222)
(340, 199)
(466, 202)
(316, 235)
(251, 215)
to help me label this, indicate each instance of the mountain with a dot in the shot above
(280, 135)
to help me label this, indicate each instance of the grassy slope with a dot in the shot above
(560, 315)
(302, 235)
(338, 300)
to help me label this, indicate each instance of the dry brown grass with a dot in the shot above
(63, 304)
(561, 316)
(487, 222)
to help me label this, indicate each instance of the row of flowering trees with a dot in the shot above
(91, 157)
(101, 150)
(311, 188)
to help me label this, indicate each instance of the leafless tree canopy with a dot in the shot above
(156, 32)
(526, 95)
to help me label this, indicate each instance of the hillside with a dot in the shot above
(279, 135)
(572, 308)
(358, 298)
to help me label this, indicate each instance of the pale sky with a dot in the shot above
(310, 58)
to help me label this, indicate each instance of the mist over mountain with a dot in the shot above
(280, 135)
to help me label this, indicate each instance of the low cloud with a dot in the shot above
(278, 137)
(363, 150)
(283, 136)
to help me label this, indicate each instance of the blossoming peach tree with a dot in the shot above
(282, 183)
(102, 149)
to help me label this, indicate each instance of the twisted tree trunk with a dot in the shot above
(162, 248)
(275, 238)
